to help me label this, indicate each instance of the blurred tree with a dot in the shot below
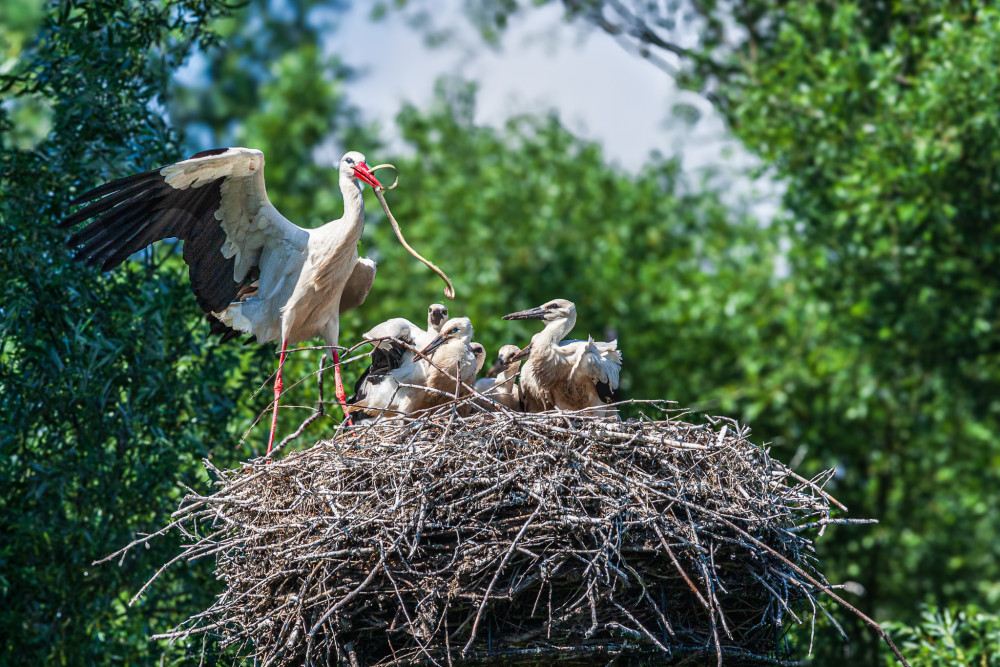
(107, 397)
(880, 119)
(524, 214)
(877, 354)
(947, 639)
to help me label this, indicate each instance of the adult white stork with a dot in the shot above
(566, 374)
(251, 269)
(499, 385)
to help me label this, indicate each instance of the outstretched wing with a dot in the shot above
(374, 389)
(603, 362)
(358, 284)
(215, 202)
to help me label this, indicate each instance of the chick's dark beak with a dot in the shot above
(496, 368)
(362, 171)
(433, 345)
(530, 314)
(522, 355)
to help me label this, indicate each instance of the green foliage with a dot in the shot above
(877, 354)
(880, 120)
(107, 399)
(966, 638)
(529, 213)
(883, 126)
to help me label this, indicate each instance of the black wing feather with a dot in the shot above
(217, 327)
(102, 205)
(132, 212)
(359, 387)
(111, 186)
(387, 357)
(604, 392)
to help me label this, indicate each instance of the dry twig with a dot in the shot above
(433, 541)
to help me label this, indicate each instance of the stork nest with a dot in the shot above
(521, 537)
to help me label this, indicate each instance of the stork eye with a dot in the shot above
(348, 160)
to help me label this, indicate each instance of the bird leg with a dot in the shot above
(278, 386)
(339, 387)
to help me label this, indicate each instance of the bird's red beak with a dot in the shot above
(362, 171)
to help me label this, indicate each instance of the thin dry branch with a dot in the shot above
(465, 535)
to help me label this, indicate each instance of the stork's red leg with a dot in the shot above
(339, 387)
(278, 386)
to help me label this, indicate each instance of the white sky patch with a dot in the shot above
(600, 91)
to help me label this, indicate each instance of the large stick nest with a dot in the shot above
(456, 540)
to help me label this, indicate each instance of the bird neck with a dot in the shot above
(507, 374)
(556, 330)
(453, 352)
(354, 203)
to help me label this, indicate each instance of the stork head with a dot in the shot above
(436, 316)
(459, 328)
(480, 353)
(557, 309)
(506, 358)
(353, 165)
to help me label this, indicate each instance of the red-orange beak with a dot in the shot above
(362, 171)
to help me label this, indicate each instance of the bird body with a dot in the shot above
(251, 269)
(452, 359)
(502, 388)
(377, 391)
(566, 374)
(395, 383)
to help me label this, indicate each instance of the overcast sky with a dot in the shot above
(599, 90)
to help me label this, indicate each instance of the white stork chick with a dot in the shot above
(437, 314)
(447, 359)
(251, 269)
(392, 383)
(566, 374)
(480, 353)
(378, 389)
(501, 387)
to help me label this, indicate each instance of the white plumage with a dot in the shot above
(252, 270)
(566, 375)
(396, 382)
(502, 388)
